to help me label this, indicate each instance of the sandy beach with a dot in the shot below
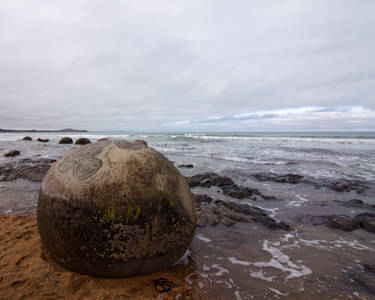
(26, 273)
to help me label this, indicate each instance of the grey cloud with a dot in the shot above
(142, 64)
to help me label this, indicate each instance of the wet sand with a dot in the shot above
(26, 273)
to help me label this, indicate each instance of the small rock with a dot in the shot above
(365, 221)
(209, 179)
(103, 139)
(342, 222)
(42, 140)
(12, 153)
(82, 141)
(66, 140)
(189, 166)
(27, 138)
(239, 192)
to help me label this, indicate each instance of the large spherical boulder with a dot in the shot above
(115, 209)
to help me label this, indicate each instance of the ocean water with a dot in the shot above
(249, 261)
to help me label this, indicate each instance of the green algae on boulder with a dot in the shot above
(115, 209)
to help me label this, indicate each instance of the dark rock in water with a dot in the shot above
(365, 221)
(209, 179)
(369, 268)
(103, 139)
(228, 213)
(314, 220)
(338, 185)
(186, 166)
(12, 153)
(127, 214)
(201, 198)
(42, 140)
(141, 141)
(33, 170)
(27, 138)
(228, 186)
(66, 140)
(284, 178)
(238, 192)
(82, 141)
(355, 203)
(344, 223)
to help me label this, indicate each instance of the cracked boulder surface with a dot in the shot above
(115, 209)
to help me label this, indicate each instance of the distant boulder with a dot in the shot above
(103, 139)
(27, 138)
(12, 153)
(66, 140)
(82, 141)
(141, 141)
(189, 166)
(42, 140)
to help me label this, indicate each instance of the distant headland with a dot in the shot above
(42, 130)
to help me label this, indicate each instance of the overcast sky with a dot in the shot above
(187, 65)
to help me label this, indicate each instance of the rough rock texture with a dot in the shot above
(209, 179)
(66, 140)
(228, 186)
(213, 212)
(337, 185)
(27, 138)
(42, 140)
(141, 141)
(31, 169)
(115, 209)
(12, 153)
(82, 141)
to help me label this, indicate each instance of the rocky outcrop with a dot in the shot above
(66, 140)
(209, 179)
(30, 169)
(365, 221)
(27, 138)
(82, 141)
(228, 186)
(228, 213)
(42, 140)
(355, 203)
(338, 185)
(12, 153)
